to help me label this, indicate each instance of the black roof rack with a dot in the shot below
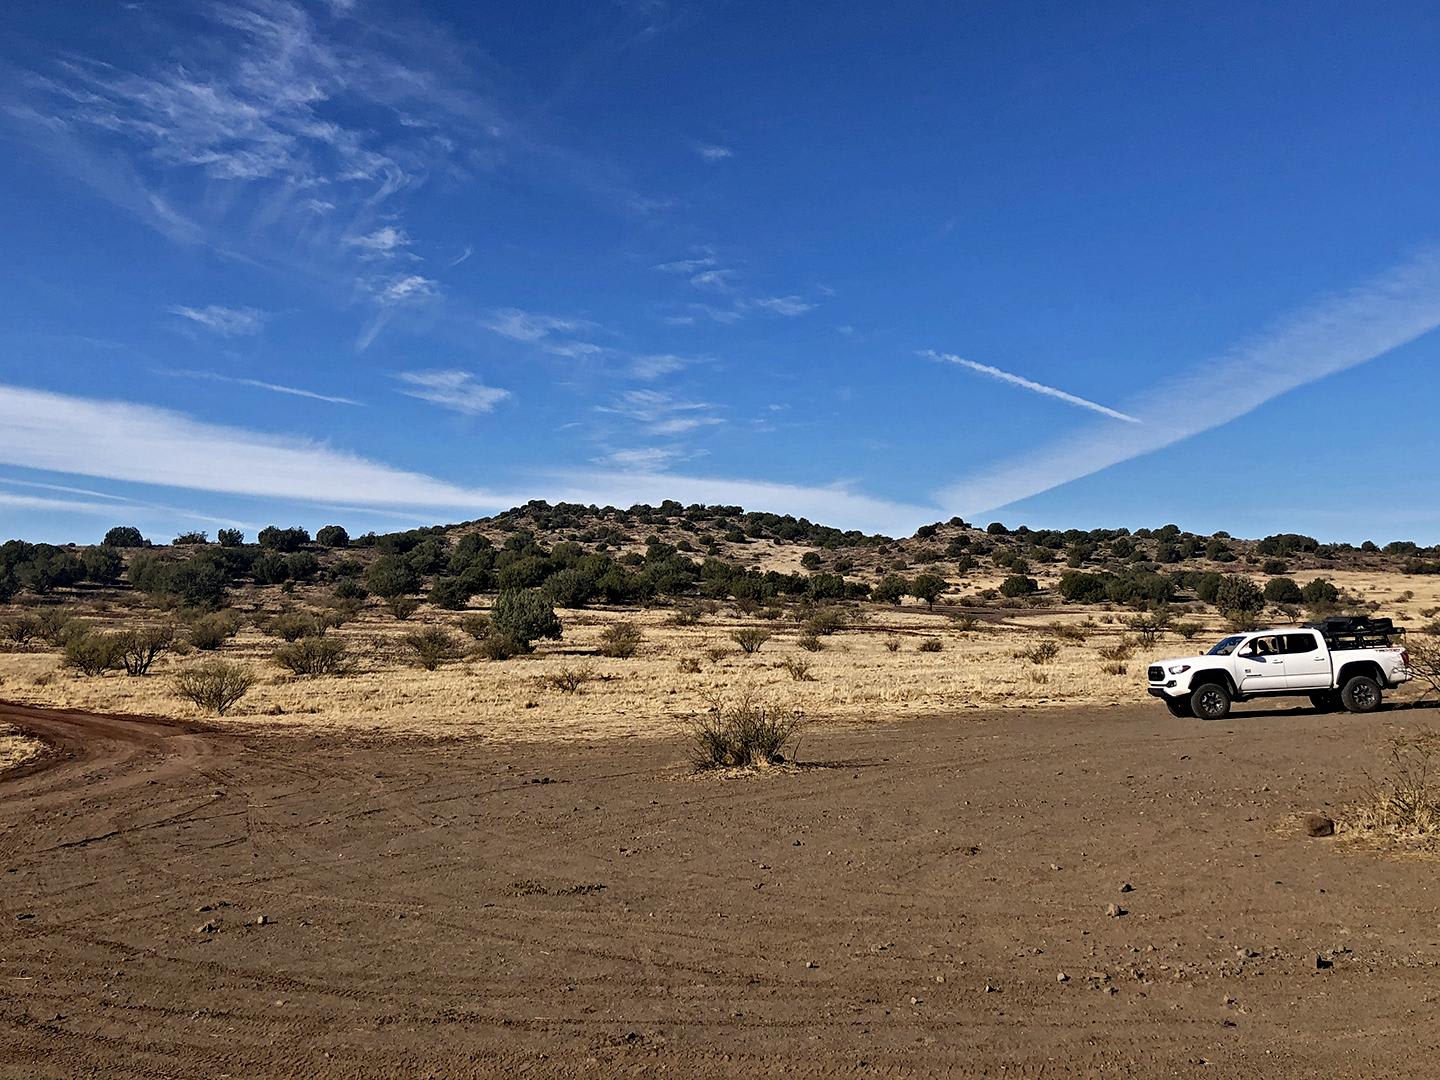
(1356, 631)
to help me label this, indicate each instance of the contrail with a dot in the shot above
(1030, 384)
(1336, 334)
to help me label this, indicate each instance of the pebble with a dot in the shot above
(1319, 825)
(207, 928)
(1115, 911)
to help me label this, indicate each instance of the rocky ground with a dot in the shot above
(1051, 892)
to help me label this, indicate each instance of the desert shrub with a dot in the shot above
(523, 616)
(750, 638)
(191, 539)
(1425, 659)
(391, 576)
(892, 644)
(620, 640)
(432, 646)
(688, 665)
(1042, 652)
(798, 668)
(1114, 667)
(809, 642)
(1320, 593)
(332, 536)
(349, 589)
(54, 627)
(716, 653)
(568, 680)
(451, 593)
(215, 685)
(270, 569)
(312, 656)
(1149, 625)
(302, 566)
(966, 623)
(824, 621)
(1283, 590)
(1067, 632)
(20, 630)
(476, 626)
(1018, 585)
(890, 589)
(293, 625)
(1238, 595)
(748, 731)
(283, 540)
(1186, 630)
(92, 653)
(497, 647)
(1403, 802)
(927, 587)
(124, 536)
(340, 613)
(1116, 653)
(930, 644)
(211, 631)
(230, 538)
(139, 648)
(402, 607)
(686, 615)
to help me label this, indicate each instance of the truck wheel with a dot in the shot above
(1210, 701)
(1326, 702)
(1361, 694)
(1179, 706)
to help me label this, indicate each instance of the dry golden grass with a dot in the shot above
(16, 748)
(1401, 807)
(677, 671)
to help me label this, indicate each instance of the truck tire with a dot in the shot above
(1328, 701)
(1179, 706)
(1210, 701)
(1361, 694)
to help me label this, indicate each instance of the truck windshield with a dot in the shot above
(1226, 647)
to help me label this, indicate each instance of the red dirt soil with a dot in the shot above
(904, 906)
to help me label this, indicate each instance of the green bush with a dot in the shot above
(750, 638)
(451, 593)
(138, 649)
(402, 607)
(283, 540)
(313, 656)
(215, 685)
(92, 653)
(497, 647)
(1320, 592)
(927, 587)
(211, 631)
(1282, 590)
(332, 536)
(390, 576)
(523, 616)
(620, 640)
(293, 625)
(347, 589)
(124, 536)
(1238, 595)
(433, 646)
(890, 589)
(1017, 585)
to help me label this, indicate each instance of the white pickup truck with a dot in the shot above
(1337, 663)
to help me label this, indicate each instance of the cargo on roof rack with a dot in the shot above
(1356, 631)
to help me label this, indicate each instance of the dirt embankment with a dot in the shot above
(926, 899)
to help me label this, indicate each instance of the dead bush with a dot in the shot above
(497, 647)
(930, 644)
(688, 665)
(809, 642)
(402, 607)
(293, 625)
(1116, 653)
(1042, 652)
(798, 668)
(20, 631)
(313, 656)
(1403, 802)
(1187, 630)
(1425, 660)
(215, 685)
(824, 621)
(568, 680)
(1067, 632)
(477, 626)
(750, 638)
(621, 640)
(747, 731)
(55, 628)
(1114, 668)
(892, 644)
(716, 653)
(965, 623)
(431, 646)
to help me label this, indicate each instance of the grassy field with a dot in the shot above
(888, 663)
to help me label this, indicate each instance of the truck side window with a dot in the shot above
(1300, 643)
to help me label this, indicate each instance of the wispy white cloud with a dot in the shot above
(713, 151)
(1332, 336)
(227, 321)
(527, 326)
(469, 250)
(656, 365)
(660, 414)
(407, 288)
(1032, 386)
(382, 242)
(784, 305)
(457, 390)
(118, 440)
(688, 266)
(713, 280)
(641, 459)
(259, 384)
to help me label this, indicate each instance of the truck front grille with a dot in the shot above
(1157, 674)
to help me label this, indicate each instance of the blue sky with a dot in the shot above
(387, 264)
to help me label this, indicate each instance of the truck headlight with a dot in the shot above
(1179, 669)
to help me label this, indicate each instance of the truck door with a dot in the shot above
(1307, 662)
(1262, 665)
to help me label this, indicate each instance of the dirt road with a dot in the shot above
(928, 899)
